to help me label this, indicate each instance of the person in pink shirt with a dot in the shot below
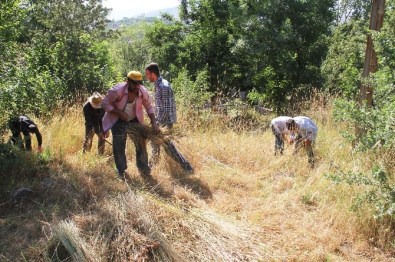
(124, 105)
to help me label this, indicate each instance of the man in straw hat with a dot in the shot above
(93, 114)
(124, 104)
(24, 125)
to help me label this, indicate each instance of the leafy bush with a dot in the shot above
(191, 93)
(343, 66)
(14, 161)
(380, 192)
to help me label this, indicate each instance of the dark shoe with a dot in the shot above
(145, 173)
(188, 168)
(311, 162)
(122, 176)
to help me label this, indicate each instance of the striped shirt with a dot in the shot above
(165, 105)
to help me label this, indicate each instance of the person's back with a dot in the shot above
(165, 105)
(278, 124)
(93, 114)
(306, 126)
(23, 124)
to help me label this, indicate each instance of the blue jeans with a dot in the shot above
(137, 133)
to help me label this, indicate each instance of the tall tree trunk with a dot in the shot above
(370, 65)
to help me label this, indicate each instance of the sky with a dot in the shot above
(130, 8)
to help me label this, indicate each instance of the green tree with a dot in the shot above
(342, 68)
(289, 43)
(377, 122)
(208, 45)
(68, 39)
(165, 36)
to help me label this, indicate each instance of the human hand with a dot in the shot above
(155, 127)
(291, 139)
(106, 134)
(123, 116)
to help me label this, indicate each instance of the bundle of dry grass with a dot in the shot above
(70, 246)
(144, 227)
(133, 234)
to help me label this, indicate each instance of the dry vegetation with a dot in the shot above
(242, 203)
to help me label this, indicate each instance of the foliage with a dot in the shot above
(347, 10)
(190, 92)
(19, 163)
(288, 40)
(165, 36)
(342, 68)
(57, 52)
(377, 123)
(131, 49)
(378, 190)
(75, 33)
(385, 42)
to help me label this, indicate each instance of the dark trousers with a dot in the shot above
(16, 139)
(278, 142)
(308, 146)
(170, 150)
(138, 133)
(89, 133)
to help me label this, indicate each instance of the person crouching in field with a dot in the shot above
(305, 131)
(93, 114)
(24, 125)
(279, 129)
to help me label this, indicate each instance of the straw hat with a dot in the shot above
(136, 76)
(95, 100)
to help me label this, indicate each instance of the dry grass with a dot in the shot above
(242, 204)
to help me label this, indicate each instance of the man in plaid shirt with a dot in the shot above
(165, 114)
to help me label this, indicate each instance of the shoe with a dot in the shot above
(122, 176)
(145, 173)
(188, 168)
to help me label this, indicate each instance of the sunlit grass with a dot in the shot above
(242, 203)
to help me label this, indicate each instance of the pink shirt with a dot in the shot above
(117, 97)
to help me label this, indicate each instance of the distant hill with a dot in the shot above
(145, 17)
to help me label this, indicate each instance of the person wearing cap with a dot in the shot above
(24, 125)
(279, 129)
(305, 131)
(165, 114)
(124, 104)
(93, 114)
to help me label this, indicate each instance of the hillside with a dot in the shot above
(242, 204)
(148, 17)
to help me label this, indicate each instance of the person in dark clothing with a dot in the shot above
(24, 125)
(93, 114)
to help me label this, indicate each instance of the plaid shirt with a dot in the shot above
(165, 105)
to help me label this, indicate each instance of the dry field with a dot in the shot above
(241, 204)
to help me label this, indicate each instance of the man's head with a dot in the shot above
(291, 125)
(135, 78)
(95, 100)
(152, 72)
(33, 129)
